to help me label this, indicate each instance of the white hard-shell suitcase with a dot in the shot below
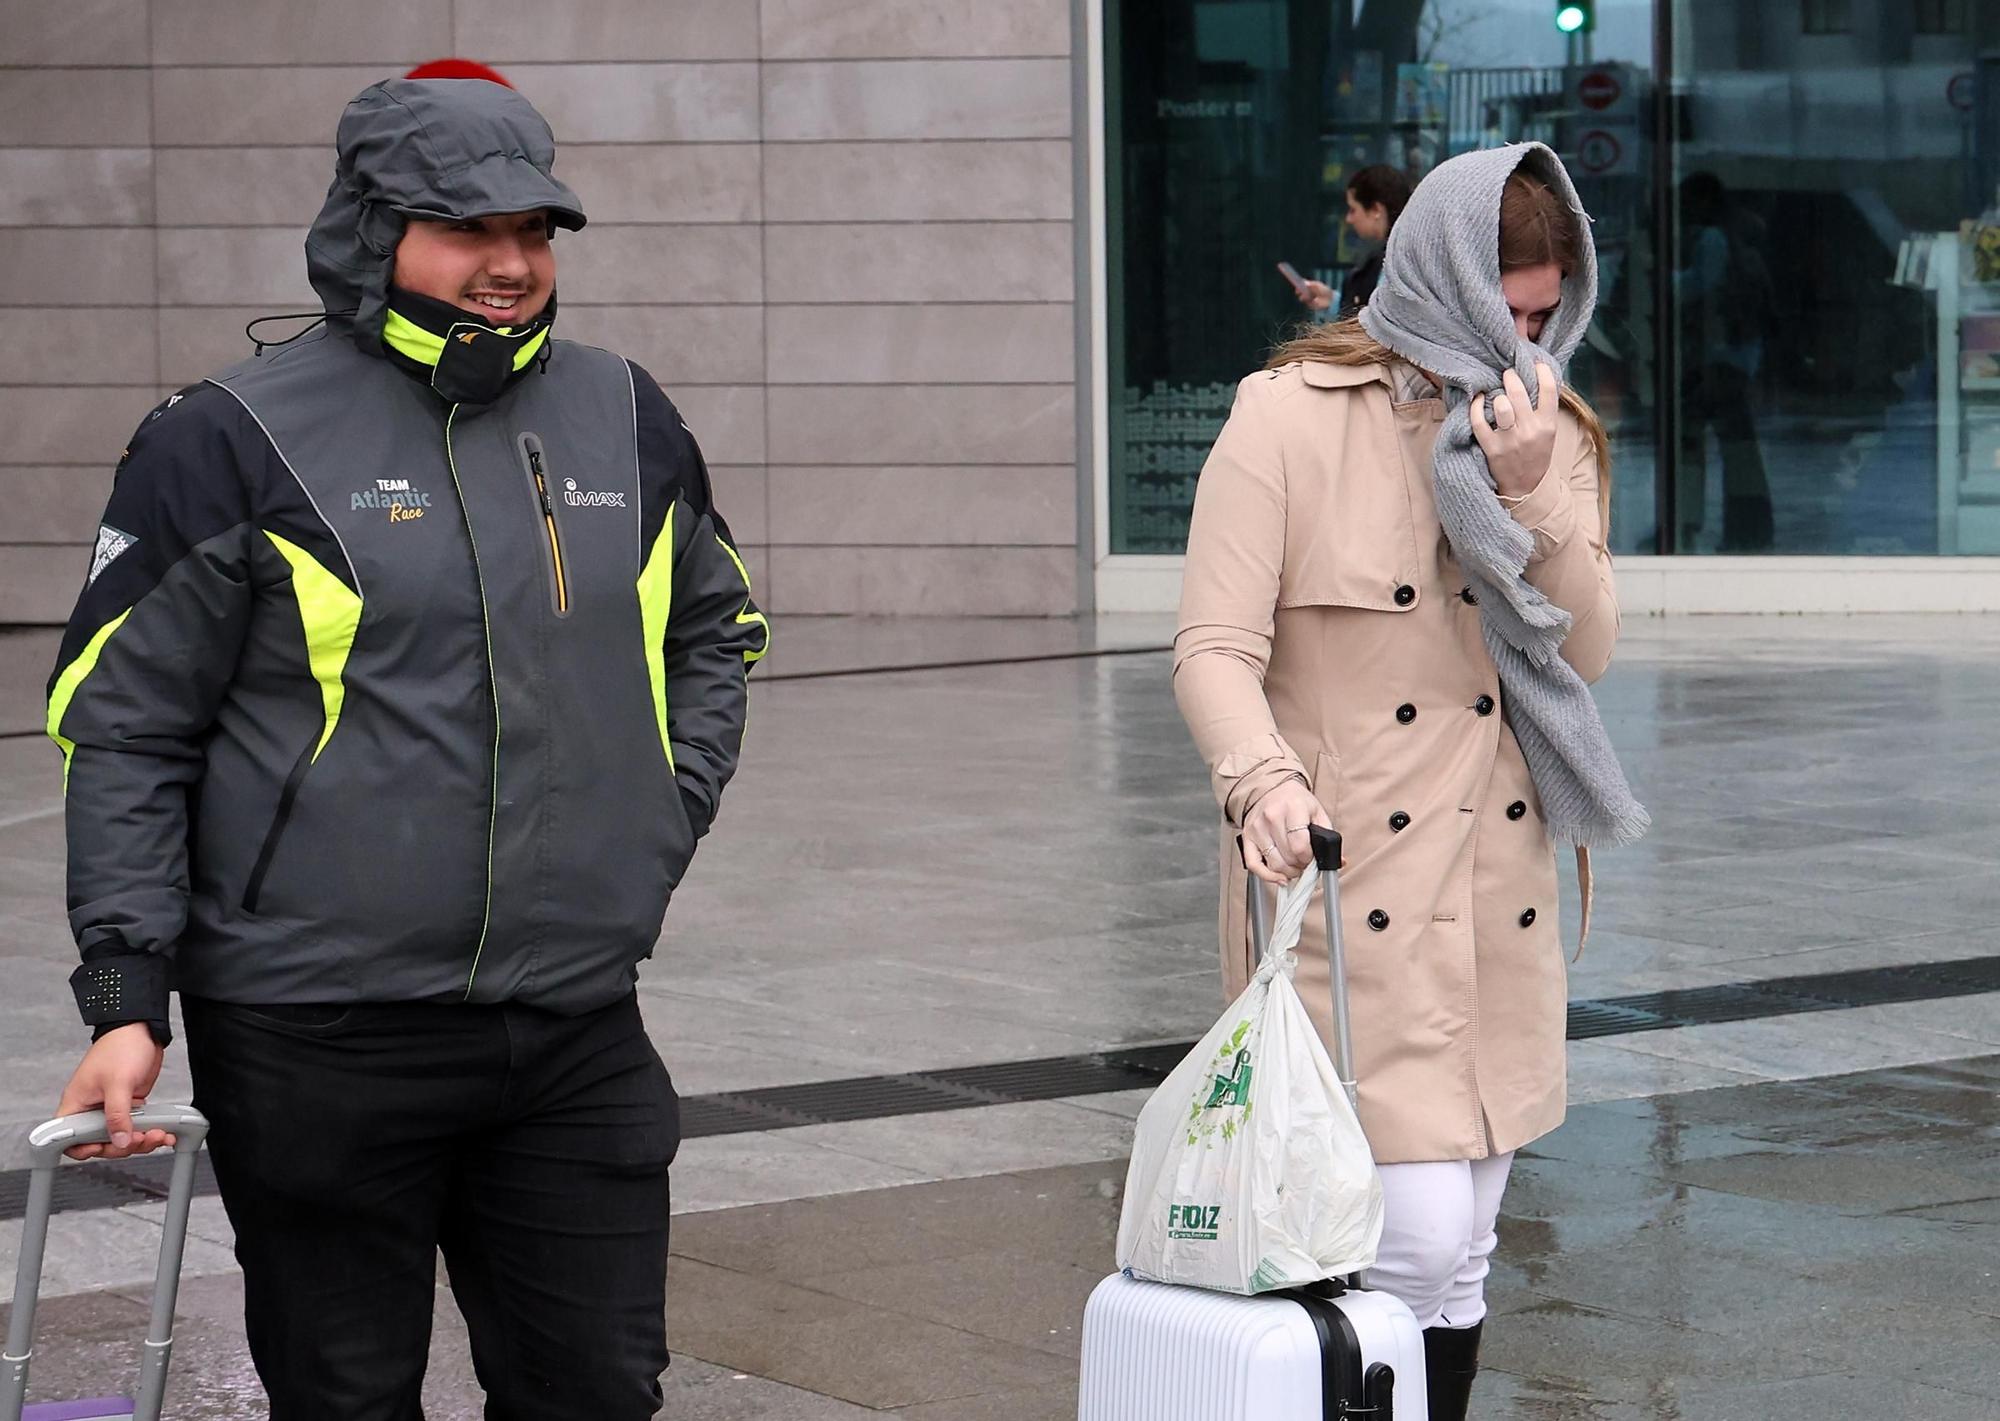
(1153, 1352)
(46, 1142)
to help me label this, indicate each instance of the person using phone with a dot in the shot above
(409, 672)
(1397, 589)
(1375, 199)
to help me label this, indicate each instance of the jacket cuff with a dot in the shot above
(1251, 770)
(163, 1034)
(1546, 511)
(699, 816)
(118, 990)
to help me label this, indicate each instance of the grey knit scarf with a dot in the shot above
(1439, 307)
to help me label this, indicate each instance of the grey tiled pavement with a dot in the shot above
(937, 867)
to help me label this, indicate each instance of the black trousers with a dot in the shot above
(353, 1143)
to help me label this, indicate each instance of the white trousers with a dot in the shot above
(1438, 1235)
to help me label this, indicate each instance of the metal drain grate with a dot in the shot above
(1153, 1062)
(1592, 1019)
(1053, 1077)
(1706, 1006)
(104, 1186)
(857, 1098)
(1787, 996)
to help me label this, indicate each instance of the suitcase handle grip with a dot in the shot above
(49, 1139)
(1325, 847)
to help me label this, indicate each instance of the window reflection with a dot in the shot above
(1236, 128)
(1801, 306)
(1825, 160)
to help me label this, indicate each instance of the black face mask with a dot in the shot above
(478, 360)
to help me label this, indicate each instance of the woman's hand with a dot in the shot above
(1314, 295)
(1522, 438)
(1276, 846)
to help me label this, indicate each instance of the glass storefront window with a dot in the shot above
(1837, 278)
(1799, 305)
(1233, 128)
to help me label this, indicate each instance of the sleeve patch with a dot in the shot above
(111, 542)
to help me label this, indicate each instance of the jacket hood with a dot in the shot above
(447, 149)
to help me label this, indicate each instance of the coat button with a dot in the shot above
(1398, 822)
(1378, 920)
(1518, 808)
(1468, 597)
(1406, 713)
(1484, 705)
(1405, 595)
(1528, 918)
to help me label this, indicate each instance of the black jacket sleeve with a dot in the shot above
(714, 631)
(147, 657)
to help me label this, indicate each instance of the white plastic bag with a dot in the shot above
(1249, 1170)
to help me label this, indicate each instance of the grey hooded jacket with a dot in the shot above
(369, 697)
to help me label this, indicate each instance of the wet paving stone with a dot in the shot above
(1798, 1241)
(1660, 1260)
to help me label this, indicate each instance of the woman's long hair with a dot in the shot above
(1535, 227)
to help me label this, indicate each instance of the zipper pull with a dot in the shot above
(541, 483)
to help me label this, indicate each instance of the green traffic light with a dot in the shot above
(1570, 18)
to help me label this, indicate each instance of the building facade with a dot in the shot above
(838, 233)
(955, 293)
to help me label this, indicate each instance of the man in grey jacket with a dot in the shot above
(410, 669)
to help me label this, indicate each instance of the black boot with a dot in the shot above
(1451, 1361)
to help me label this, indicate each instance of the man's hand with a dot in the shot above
(1522, 438)
(1276, 846)
(1314, 295)
(117, 1072)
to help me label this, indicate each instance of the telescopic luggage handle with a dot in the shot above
(1326, 864)
(46, 1142)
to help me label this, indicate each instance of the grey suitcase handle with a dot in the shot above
(46, 1142)
(1326, 862)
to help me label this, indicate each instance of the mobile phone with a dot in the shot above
(1291, 274)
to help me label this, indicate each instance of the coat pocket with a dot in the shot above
(1326, 784)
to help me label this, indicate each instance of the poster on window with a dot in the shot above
(1423, 93)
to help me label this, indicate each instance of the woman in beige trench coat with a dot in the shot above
(1330, 665)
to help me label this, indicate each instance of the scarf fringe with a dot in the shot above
(1625, 827)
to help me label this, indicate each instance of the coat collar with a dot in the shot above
(1324, 376)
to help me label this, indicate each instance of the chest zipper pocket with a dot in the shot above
(534, 461)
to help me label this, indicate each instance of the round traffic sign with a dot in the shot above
(1599, 151)
(1599, 89)
(1958, 91)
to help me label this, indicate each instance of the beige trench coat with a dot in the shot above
(1326, 635)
